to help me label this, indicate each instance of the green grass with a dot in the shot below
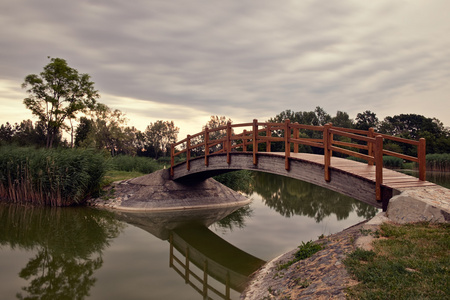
(409, 262)
(113, 175)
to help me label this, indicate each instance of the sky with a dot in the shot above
(187, 60)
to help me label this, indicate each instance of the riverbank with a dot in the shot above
(323, 275)
(156, 192)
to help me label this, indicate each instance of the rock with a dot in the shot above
(419, 205)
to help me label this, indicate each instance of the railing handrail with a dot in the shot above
(256, 135)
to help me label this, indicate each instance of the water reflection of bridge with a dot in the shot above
(212, 257)
(208, 263)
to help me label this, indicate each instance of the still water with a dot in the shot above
(84, 253)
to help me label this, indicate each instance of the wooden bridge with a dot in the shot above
(218, 150)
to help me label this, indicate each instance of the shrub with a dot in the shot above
(392, 162)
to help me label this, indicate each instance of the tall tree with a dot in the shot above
(106, 130)
(342, 120)
(216, 122)
(160, 135)
(57, 94)
(366, 119)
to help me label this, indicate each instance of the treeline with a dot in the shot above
(409, 126)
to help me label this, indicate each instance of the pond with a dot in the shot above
(84, 253)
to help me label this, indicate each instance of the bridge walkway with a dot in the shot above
(391, 178)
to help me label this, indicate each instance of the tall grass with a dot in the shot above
(438, 162)
(60, 177)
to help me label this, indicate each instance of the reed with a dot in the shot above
(438, 162)
(61, 177)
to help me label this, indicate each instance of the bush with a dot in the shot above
(392, 162)
(60, 177)
(135, 164)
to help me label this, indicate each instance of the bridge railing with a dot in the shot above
(223, 139)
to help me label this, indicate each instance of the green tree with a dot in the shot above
(160, 135)
(107, 131)
(413, 126)
(342, 120)
(57, 94)
(366, 119)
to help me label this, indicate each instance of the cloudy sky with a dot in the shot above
(187, 60)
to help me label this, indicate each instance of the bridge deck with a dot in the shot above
(391, 178)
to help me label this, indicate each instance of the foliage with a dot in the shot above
(411, 262)
(392, 162)
(25, 134)
(106, 130)
(413, 126)
(128, 163)
(238, 180)
(57, 94)
(160, 135)
(366, 120)
(60, 177)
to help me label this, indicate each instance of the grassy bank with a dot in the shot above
(408, 262)
(59, 177)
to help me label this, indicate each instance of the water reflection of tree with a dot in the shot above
(68, 243)
(235, 219)
(291, 197)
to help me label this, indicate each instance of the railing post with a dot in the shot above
(421, 155)
(327, 151)
(186, 271)
(206, 146)
(370, 144)
(378, 166)
(188, 152)
(244, 141)
(255, 141)
(287, 143)
(228, 141)
(296, 136)
(172, 159)
(268, 135)
(205, 279)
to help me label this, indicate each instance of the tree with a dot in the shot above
(413, 126)
(342, 120)
(57, 94)
(106, 130)
(366, 120)
(160, 135)
(216, 122)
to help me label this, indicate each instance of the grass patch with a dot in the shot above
(412, 262)
(305, 250)
(113, 175)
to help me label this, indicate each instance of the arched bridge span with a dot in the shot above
(221, 150)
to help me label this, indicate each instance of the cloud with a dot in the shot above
(243, 59)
